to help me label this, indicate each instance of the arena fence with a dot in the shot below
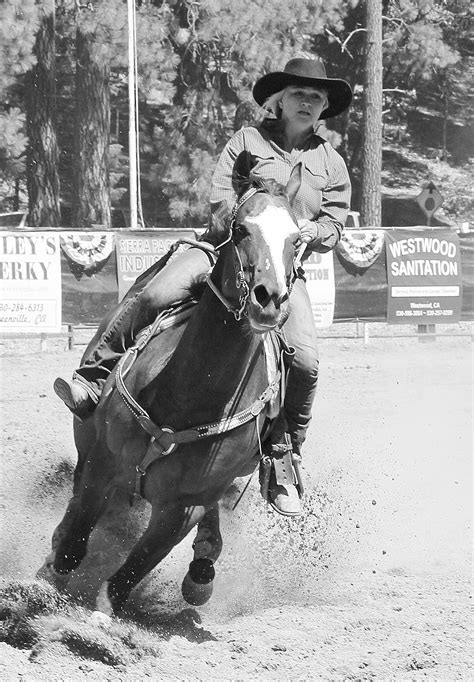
(59, 282)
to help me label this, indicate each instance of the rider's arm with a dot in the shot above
(335, 203)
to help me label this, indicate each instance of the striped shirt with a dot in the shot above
(325, 191)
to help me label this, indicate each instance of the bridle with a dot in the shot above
(240, 281)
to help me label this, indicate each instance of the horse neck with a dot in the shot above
(220, 341)
(217, 352)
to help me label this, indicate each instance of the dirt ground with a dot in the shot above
(371, 584)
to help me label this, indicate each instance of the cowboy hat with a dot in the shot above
(311, 72)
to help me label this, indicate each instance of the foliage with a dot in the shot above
(223, 46)
(18, 24)
(12, 143)
(197, 62)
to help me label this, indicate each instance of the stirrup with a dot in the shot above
(283, 464)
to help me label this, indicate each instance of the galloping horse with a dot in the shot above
(206, 384)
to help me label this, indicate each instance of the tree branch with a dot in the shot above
(344, 44)
(89, 6)
(396, 20)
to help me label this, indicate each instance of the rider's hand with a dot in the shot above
(308, 230)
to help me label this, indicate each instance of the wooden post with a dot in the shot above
(427, 333)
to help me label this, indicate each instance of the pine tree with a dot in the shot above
(91, 189)
(18, 25)
(42, 150)
(371, 211)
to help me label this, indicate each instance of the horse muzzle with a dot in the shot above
(265, 310)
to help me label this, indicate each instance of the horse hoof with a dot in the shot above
(47, 573)
(195, 594)
(103, 605)
(102, 619)
(198, 582)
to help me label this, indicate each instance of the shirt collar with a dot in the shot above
(272, 129)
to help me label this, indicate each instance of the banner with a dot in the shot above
(87, 250)
(362, 247)
(89, 275)
(30, 282)
(424, 277)
(137, 251)
(319, 274)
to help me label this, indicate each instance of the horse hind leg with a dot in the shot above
(198, 582)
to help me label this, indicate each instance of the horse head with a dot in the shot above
(258, 255)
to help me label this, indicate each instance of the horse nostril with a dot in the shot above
(261, 295)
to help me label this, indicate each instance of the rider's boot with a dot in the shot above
(280, 479)
(77, 396)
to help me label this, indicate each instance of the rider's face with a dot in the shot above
(302, 105)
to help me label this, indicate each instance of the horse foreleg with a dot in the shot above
(83, 512)
(198, 582)
(47, 572)
(168, 525)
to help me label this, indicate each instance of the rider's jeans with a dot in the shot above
(151, 294)
(157, 291)
(300, 332)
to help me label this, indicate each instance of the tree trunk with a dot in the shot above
(370, 210)
(91, 191)
(42, 150)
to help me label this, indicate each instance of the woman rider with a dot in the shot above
(298, 97)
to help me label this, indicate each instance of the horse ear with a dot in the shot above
(294, 183)
(243, 166)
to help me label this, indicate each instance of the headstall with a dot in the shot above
(240, 276)
(240, 281)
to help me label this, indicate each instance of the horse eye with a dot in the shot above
(240, 231)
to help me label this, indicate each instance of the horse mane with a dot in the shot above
(269, 186)
(243, 179)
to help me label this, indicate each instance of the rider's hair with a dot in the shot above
(272, 106)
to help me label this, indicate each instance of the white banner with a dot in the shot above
(30, 282)
(319, 273)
